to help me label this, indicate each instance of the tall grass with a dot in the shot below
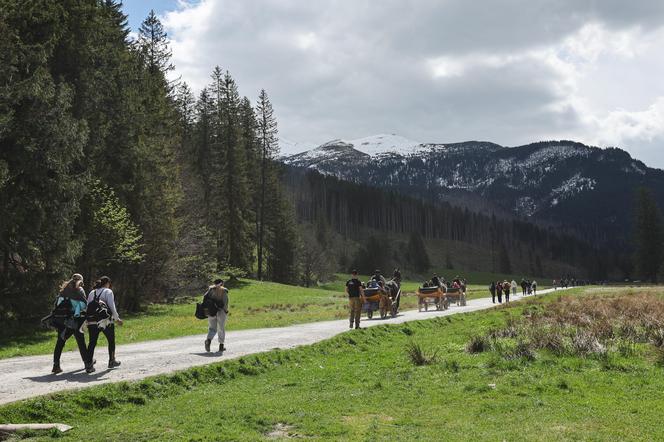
(589, 326)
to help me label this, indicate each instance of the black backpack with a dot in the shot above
(60, 316)
(97, 309)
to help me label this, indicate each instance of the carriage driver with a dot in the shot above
(355, 294)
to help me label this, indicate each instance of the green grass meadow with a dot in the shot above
(362, 385)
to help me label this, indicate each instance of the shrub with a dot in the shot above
(419, 356)
(478, 344)
(521, 351)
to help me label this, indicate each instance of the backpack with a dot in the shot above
(207, 308)
(97, 309)
(61, 316)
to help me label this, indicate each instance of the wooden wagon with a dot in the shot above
(435, 296)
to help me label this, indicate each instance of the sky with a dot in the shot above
(507, 71)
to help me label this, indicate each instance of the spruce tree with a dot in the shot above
(649, 236)
(153, 45)
(230, 196)
(269, 149)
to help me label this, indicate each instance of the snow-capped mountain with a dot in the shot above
(564, 182)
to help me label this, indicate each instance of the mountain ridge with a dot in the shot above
(564, 182)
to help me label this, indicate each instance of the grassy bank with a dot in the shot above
(253, 304)
(363, 385)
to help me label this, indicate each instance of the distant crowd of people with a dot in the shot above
(500, 289)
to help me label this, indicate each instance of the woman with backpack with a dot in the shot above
(102, 314)
(68, 317)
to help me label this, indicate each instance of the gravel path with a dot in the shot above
(29, 376)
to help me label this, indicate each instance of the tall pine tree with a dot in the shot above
(649, 236)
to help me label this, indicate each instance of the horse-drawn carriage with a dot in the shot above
(440, 296)
(434, 296)
(382, 297)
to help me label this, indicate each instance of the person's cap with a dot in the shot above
(77, 277)
(376, 271)
(218, 281)
(353, 272)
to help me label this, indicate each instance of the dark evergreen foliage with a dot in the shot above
(649, 236)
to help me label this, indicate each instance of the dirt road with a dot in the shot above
(29, 376)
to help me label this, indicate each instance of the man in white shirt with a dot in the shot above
(103, 293)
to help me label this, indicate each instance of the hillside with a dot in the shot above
(358, 225)
(564, 183)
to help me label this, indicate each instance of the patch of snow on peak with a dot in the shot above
(551, 154)
(571, 187)
(289, 148)
(385, 143)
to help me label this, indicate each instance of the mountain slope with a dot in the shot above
(563, 182)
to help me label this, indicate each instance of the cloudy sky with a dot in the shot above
(508, 71)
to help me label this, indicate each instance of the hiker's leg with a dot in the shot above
(109, 332)
(212, 327)
(63, 335)
(93, 329)
(82, 349)
(358, 311)
(221, 326)
(351, 310)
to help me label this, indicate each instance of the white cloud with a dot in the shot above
(513, 72)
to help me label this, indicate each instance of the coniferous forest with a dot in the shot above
(108, 166)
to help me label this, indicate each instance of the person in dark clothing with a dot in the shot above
(397, 275)
(524, 285)
(72, 292)
(104, 293)
(499, 292)
(492, 290)
(436, 281)
(355, 294)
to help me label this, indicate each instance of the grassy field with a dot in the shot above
(253, 305)
(366, 385)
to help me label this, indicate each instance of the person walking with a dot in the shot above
(513, 284)
(499, 292)
(102, 293)
(217, 299)
(355, 294)
(534, 284)
(524, 284)
(492, 290)
(72, 300)
(506, 289)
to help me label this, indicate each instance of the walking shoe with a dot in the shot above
(90, 368)
(357, 327)
(221, 348)
(207, 345)
(351, 325)
(56, 369)
(113, 363)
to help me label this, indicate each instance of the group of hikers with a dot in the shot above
(75, 312)
(498, 289)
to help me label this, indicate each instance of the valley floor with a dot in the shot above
(363, 385)
(25, 377)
